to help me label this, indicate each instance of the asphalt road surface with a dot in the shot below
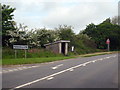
(89, 72)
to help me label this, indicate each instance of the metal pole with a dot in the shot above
(108, 47)
(15, 54)
(25, 53)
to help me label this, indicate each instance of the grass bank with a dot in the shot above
(96, 54)
(31, 60)
(47, 59)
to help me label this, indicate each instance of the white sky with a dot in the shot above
(52, 13)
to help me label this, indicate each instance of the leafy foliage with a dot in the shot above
(46, 36)
(7, 23)
(101, 32)
(81, 42)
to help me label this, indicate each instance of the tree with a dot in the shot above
(32, 38)
(90, 30)
(45, 36)
(7, 24)
(99, 33)
(19, 36)
(66, 33)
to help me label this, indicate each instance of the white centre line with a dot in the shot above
(52, 75)
(50, 78)
(57, 66)
(71, 70)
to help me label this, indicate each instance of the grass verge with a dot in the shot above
(96, 54)
(31, 60)
(46, 59)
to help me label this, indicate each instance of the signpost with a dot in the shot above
(108, 44)
(24, 47)
(72, 48)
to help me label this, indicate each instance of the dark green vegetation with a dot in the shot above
(101, 32)
(90, 40)
(7, 24)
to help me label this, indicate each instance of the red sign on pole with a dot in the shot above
(108, 41)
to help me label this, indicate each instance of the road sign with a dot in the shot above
(108, 44)
(20, 46)
(72, 48)
(108, 41)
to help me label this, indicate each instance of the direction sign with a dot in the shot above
(20, 46)
(108, 41)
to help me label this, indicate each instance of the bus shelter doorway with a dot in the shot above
(63, 48)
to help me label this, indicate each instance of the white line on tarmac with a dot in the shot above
(52, 75)
(18, 69)
(71, 70)
(93, 61)
(57, 66)
(50, 78)
(14, 69)
(22, 68)
(10, 70)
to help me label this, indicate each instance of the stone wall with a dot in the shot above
(53, 47)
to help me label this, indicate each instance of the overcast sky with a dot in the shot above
(52, 13)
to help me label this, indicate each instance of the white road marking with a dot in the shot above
(83, 64)
(51, 62)
(93, 61)
(34, 66)
(10, 70)
(14, 69)
(57, 66)
(50, 78)
(18, 69)
(24, 67)
(71, 70)
(88, 62)
(52, 75)
(107, 57)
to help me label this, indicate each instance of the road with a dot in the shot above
(89, 72)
